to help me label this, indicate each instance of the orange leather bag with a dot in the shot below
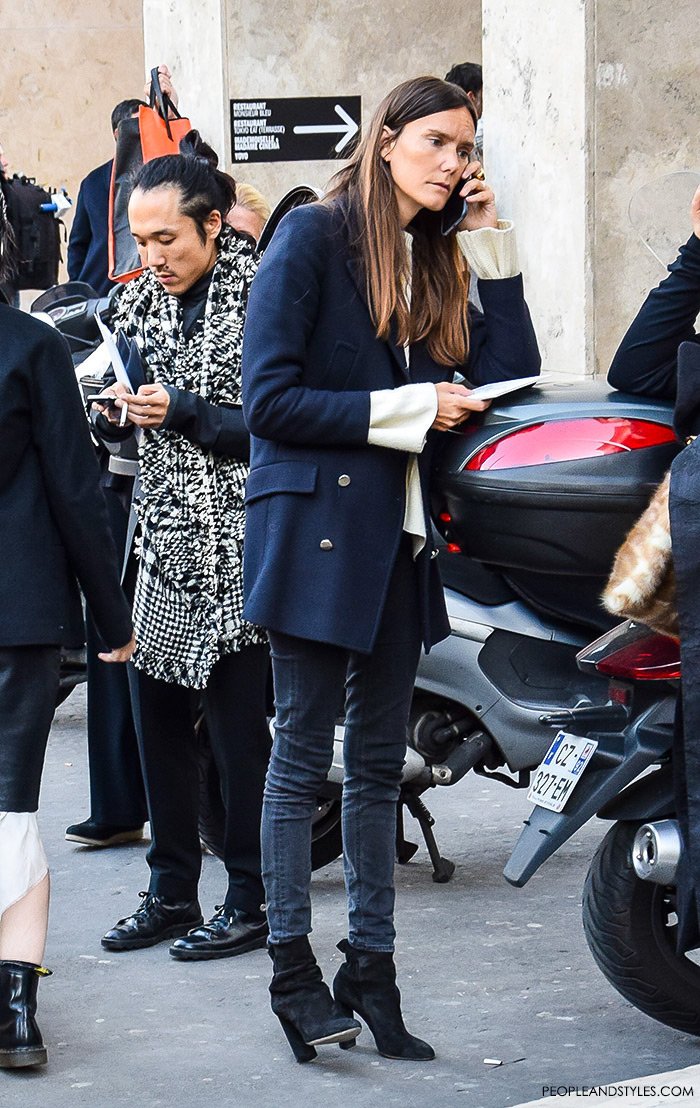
(149, 135)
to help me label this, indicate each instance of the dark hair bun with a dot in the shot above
(203, 187)
(194, 146)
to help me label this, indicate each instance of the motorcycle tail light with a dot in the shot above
(566, 440)
(632, 652)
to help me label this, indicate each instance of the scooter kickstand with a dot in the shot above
(443, 868)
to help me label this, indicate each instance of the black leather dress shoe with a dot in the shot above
(92, 833)
(226, 934)
(153, 922)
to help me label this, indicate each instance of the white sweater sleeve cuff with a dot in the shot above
(492, 252)
(401, 418)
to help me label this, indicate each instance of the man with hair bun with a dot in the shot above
(186, 313)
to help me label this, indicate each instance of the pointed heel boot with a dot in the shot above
(303, 1003)
(366, 984)
(21, 1043)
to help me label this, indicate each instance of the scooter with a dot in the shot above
(533, 499)
(629, 897)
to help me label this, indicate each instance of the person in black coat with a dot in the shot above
(357, 323)
(646, 361)
(55, 534)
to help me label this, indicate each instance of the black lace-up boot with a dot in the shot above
(21, 1043)
(153, 922)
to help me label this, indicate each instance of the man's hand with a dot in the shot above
(149, 406)
(695, 213)
(120, 654)
(455, 405)
(112, 412)
(480, 198)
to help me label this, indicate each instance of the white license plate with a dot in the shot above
(560, 771)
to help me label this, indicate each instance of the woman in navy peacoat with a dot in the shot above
(348, 362)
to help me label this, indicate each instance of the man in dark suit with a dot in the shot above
(117, 797)
(117, 800)
(87, 246)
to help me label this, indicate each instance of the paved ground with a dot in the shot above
(488, 972)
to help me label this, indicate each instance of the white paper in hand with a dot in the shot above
(114, 355)
(501, 388)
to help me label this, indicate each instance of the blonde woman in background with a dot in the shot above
(250, 212)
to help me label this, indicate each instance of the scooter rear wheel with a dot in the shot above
(630, 926)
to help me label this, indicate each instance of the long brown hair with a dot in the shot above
(439, 279)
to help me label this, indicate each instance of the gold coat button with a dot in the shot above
(326, 544)
(343, 480)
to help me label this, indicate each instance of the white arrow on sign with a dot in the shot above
(348, 129)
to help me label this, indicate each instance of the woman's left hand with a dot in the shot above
(480, 197)
(149, 406)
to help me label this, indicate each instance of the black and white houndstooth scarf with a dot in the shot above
(189, 590)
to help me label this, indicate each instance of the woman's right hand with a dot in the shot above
(695, 214)
(455, 405)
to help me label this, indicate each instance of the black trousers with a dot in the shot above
(234, 704)
(117, 794)
(28, 687)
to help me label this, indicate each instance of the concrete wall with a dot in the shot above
(538, 158)
(647, 108)
(191, 40)
(319, 48)
(587, 101)
(64, 67)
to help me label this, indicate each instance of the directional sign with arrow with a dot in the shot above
(293, 129)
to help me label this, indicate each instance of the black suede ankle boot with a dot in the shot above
(21, 1043)
(366, 984)
(303, 1003)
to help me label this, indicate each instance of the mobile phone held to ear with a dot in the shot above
(455, 210)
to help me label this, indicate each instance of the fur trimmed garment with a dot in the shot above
(642, 585)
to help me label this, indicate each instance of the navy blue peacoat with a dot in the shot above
(324, 509)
